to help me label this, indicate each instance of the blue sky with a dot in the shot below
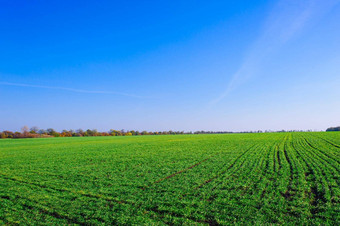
(161, 65)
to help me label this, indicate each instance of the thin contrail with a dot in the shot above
(71, 89)
(285, 20)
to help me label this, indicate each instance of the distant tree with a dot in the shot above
(56, 134)
(8, 134)
(19, 135)
(3, 135)
(34, 130)
(42, 131)
(52, 132)
(112, 132)
(24, 130)
(80, 132)
(49, 130)
(73, 133)
(94, 132)
(66, 133)
(115, 132)
(89, 132)
(333, 129)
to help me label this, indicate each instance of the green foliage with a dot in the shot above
(262, 179)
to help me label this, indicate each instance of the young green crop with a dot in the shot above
(269, 178)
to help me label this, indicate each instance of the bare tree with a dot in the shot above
(24, 129)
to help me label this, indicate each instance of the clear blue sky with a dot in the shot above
(161, 65)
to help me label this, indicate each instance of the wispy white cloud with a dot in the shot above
(72, 90)
(285, 21)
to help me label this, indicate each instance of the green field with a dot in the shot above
(270, 178)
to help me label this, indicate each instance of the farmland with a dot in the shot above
(269, 178)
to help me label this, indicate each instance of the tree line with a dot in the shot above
(35, 132)
(333, 129)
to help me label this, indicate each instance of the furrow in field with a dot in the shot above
(193, 193)
(279, 156)
(268, 171)
(332, 148)
(181, 171)
(252, 178)
(284, 176)
(316, 161)
(284, 188)
(224, 171)
(162, 213)
(290, 191)
(318, 180)
(245, 182)
(63, 189)
(326, 157)
(275, 158)
(309, 170)
(328, 141)
(266, 177)
(245, 173)
(245, 170)
(30, 204)
(281, 189)
(57, 215)
(301, 185)
(322, 156)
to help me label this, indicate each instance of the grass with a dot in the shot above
(274, 178)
